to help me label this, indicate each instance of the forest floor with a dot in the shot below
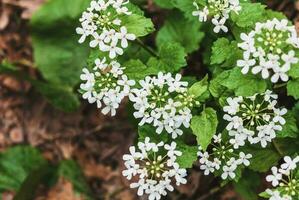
(95, 141)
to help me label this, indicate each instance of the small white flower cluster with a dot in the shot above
(222, 158)
(101, 21)
(285, 181)
(164, 102)
(219, 10)
(254, 118)
(156, 168)
(105, 85)
(269, 49)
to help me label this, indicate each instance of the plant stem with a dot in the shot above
(145, 47)
(280, 85)
(277, 148)
(210, 193)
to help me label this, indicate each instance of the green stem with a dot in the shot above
(279, 85)
(145, 47)
(277, 148)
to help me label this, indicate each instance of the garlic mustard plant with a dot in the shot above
(285, 180)
(218, 10)
(164, 102)
(222, 159)
(255, 118)
(270, 49)
(106, 85)
(153, 168)
(102, 23)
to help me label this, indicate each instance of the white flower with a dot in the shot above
(278, 115)
(101, 22)
(124, 36)
(100, 64)
(164, 102)
(83, 33)
(274, 195)
(154, 168)
(253, 118)
(279, 73)
(272, 45)
(290, 164)
(289, 59)
(246, 63)
(233, 105)
(284, 180)
(113, 49)
(244, 159)
(221, 158)
(219, 11)
(217, 138)
(228, 171)
(171, 150)
(126, 83)
(208, 168)
(202, 14)
(105, 86)
(219, 25)
(263, 67)
(275, 177)
(235, 122)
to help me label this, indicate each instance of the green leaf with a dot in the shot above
(264, 195)
(262, 158)
(294, 71)
(249, 15)
(289, 129)
(59, 57)
(216, 88)
(171, 58)
(189, 155)
(204, 127)
(292, 88)
(137, 24)
(248, 185)
(136, 70)
(225, 53)
(16, 164)
(244, 85)
(57, 53)
(270, 14)
(164, 4)
(55, 14)
(179, 30)
(287, 146)
(71, 171)
(62, 98)
(150, 131)
(199, 88)
(186, 6)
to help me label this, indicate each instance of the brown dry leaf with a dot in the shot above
(29, 7)
(63, 190)
(193, 183)
(91, 169)
(4, 16)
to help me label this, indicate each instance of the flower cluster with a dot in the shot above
(254, 118)
(269, 49)
(285, 180)
(101, 21)
(219, 10)
(221, 158)
(105, 85)
(156, 168)
(164, 102)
